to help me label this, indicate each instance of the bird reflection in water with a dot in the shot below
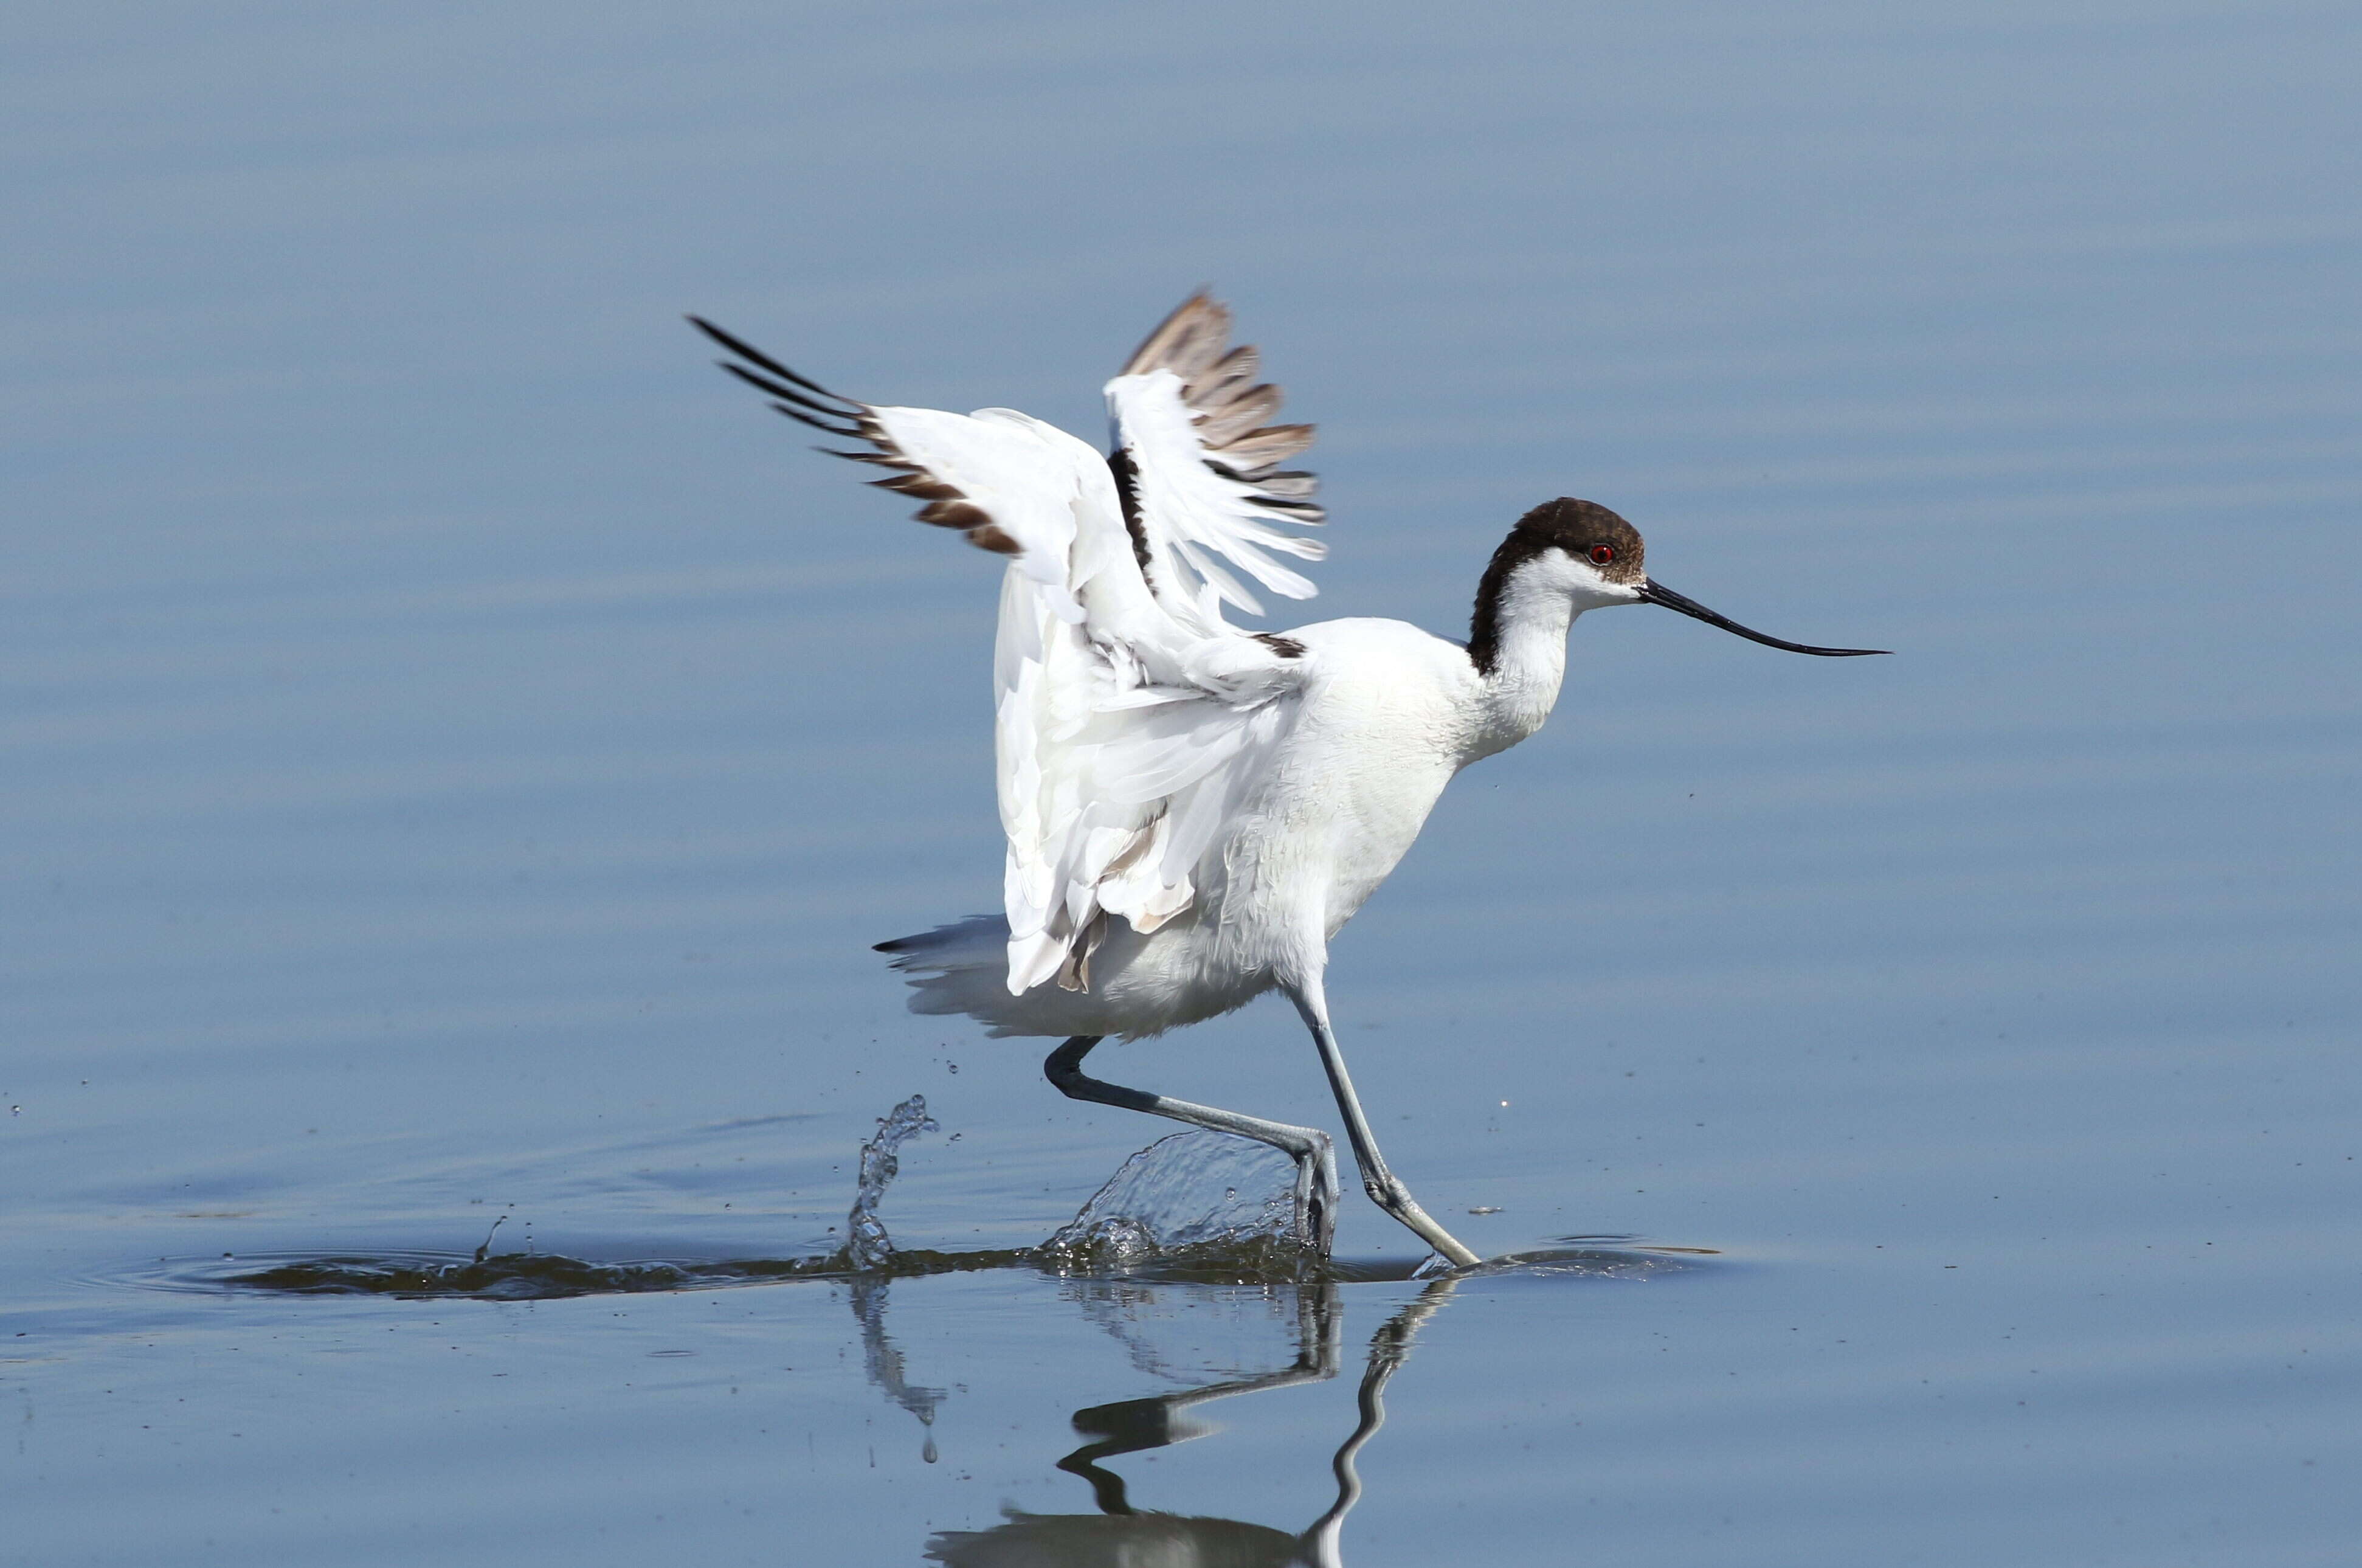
(1119, 1535)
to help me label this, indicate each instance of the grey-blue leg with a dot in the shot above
(1386, 1188)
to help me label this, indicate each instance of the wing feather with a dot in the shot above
(1201, 468)
(1129, 719)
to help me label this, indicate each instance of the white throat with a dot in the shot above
(1537, 608)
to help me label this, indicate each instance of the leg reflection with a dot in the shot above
(1131, 1426)
(1121, 1534)
(1389, 1348)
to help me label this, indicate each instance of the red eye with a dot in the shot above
(1602, 554)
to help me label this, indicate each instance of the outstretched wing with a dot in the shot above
(1010, 483)
(1128, 720)
(1197, 469)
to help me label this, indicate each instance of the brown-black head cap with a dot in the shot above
(1585, 530)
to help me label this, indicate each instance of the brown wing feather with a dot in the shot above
(1219, 384)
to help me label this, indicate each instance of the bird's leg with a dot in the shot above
(1386, 1188)
(1314, 1153)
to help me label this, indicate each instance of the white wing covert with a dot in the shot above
(1130, 718)
(1200, 471)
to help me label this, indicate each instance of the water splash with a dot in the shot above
(1194, 1193)
(868, 1248)
(1197, 1206)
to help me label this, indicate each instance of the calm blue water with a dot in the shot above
(458, 748)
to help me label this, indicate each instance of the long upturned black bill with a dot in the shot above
(1658, 593)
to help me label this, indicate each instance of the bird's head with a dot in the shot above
(1599, 559)
(1583, 549)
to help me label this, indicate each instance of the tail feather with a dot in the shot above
(962, 944)
(962, 968)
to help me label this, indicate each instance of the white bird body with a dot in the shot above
(1385, 715)
(1193, 810)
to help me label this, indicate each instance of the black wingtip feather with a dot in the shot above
(851, 411)
(752, 355)
(801, 417)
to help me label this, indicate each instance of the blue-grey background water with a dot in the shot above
(458, 748)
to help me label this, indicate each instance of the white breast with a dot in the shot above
(1384, 728)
